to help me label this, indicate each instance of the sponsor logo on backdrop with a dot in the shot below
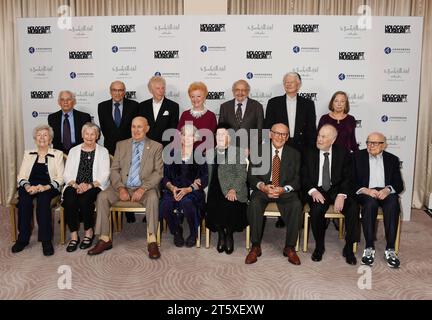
(131, 95)
(33, 50)
(35, 114)
(216, 95)
(260, 30)
(251, 75)
(358, 123)
(84, 97)
(398, 98)
(297, 49)
(205, 48)
(212, 27)
(38, 29)
(41, 95)
(309, 95)
(123, 28)
(80, 55)
(352, 31)
(397, 28)
(388, 50)
(386, 118)
(81, 31)
(352, 55)
(261, 96)
(116, 49)
(81, 75)
(306, 72)
(167, 74)
(41, 72)
(213, 71)
(355, 99)
(260, 55)
(397, 74)
(172, 94)
(166, 54)
(124, 71)
(344, 76)
(305, 28)
(167, 30)
(395, 141)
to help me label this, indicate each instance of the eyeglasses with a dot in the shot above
(279, 134)
(117, 90)
(374, 143)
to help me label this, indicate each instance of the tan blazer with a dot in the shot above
(151, 164)
(55, 167)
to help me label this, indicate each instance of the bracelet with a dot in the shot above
(193, 188)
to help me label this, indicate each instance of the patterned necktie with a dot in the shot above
(238, 114)
(134, 171)
(276, 169)
(67, 139)
(326, 173)
(117, 115)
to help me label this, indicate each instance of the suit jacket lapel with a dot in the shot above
(128, 156)
(145, 152)
(316, 162)
(299, 116)
(247, 111)
(76, 125)
(387, 168)
(124, 113)
(161, 110)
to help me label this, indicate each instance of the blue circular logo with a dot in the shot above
(296, 49)
(341, 76)
(158, 74)
(249, 75)
(31, 50)
(384, 118)
(72, 75)
(203, 48)
(387, 50)
(114, 49)
(35, 114)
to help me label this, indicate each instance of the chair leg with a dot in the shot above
(297, 248)
(398, 232)
(62, 227)
(355, 247)
(111, 225)
(13, 223)
(305, 232)
(114, 221)
(248, 237)
(207, 238)
(158, 234)
(341, 228)
(198, 242)
(120, 221)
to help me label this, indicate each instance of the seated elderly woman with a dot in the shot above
(183, 189)
(86, 174)
(40, 177)
(227, 193)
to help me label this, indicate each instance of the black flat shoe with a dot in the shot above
(86, 243)
(47, 248)
(280, 223)
(130, 217)
(221, 242)
(178, 238)
(191, 240)
(229, 243)
(19, 246)
(73, 245)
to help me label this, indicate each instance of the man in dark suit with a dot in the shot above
(296, 112)
(243, 112)
(278, 182)
(378, 182)
(115, 116)
(67, 123)
(160, 112)
(327, 179)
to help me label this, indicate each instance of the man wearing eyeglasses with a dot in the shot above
(115, 116)
(279, 184)
(378, 183)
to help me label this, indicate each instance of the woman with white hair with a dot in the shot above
(40, 177)
(86, 174)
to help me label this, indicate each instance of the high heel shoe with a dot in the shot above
(221, 241)
(229, 243)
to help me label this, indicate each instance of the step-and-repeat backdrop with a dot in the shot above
(378, 65)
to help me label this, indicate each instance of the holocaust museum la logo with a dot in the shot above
(395, 98)
(41, 95)
(352, 55)
(397, 28)
(130, 95)
(212, 27)
(80, 55)
(260, 55)
(123, 28)
(306, 28)
(309, 95)
(38, 29)
(216, 95)
(166, 54)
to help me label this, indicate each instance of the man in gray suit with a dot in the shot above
(243, 112)
(136, 172)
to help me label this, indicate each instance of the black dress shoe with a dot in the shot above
(144, 220)
(229, 243)
(280, 223)
(317, 255)
(19, 246)
(191, 240)
(86, 243)
(73, 245)
(178, 238)
(221, 241)
(349, 255)
(47, 248)
(336, 224)
(130, 217)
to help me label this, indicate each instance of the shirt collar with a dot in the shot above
(119, 102)
(274, 150)
(379, 156)
(291, 99)
(157, 103)
(244, 102)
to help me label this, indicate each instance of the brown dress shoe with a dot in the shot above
(253, 255)
(100, 247)
(292, 255)
(153, 250)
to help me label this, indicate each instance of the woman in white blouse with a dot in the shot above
(86, 174)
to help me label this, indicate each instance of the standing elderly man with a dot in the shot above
(136, 172)
(378, 182)
(326, 180)
(67, 122)
(159, 110)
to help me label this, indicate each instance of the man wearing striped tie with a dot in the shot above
(136, 172)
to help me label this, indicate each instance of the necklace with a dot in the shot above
(197, 114)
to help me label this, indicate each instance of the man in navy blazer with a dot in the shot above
(160, 112)
(116, 115)
(75, 118)
(378, 182)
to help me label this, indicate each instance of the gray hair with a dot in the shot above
(292, 74)
(91, 126)
(241, 81)
(196, 134)
(69, 93)
(43, 127)
(156, 79)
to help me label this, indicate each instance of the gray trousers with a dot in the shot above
(106, 198)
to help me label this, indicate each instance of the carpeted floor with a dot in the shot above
(126, 272)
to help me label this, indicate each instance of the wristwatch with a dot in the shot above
(286, 189)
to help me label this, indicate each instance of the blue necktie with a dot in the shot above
(117, 115)
(134, 171)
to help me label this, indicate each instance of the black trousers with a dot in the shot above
(76, 205)
(289, 207)
(391, 210)
(318, 223)
(43, 214)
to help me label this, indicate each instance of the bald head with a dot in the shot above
(139, 128)
(326, 137)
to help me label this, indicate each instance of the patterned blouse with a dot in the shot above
(85, 168)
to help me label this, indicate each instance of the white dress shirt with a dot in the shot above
(156, 108)
(291, 111)
(243, 106)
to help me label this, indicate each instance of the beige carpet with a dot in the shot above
(126, 272)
